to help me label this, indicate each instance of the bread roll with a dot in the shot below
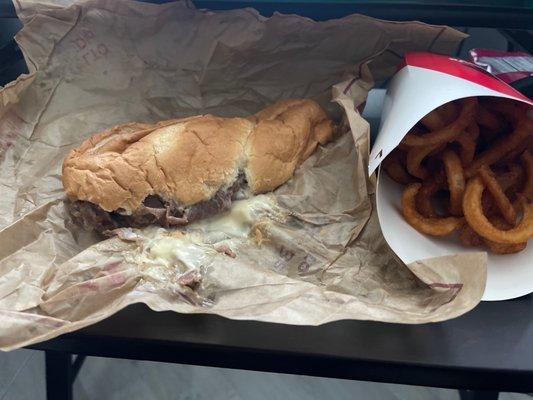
(187, 161)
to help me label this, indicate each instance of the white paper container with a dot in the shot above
(424, 82)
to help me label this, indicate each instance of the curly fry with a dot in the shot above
(456, 181)
(440, 117)
(514, 154)
(491, 193)
(507, 181)
(449, 132)
(504, 205)
(510, 178)
(503, 248)
(449, 111)
(416, 130)
(433, 120)
(512, 110)
(415, 156)
(527, 159)
(488, 120)
(502, 146)
(468, 237)
(395, 168)
(467, 142)
(423, 199)
(429, 226)
(475, 217)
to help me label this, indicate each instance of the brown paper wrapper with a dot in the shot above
(309, 253)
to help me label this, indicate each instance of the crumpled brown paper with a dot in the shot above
(310, 253)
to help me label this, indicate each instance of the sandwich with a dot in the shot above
(175, 172)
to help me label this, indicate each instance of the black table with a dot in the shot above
(489, 349)
(516, 14)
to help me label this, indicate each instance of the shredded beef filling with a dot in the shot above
(154, 211)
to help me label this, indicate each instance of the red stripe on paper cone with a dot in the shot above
(461, 69)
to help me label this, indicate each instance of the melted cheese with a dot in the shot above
(192, 249)
(172, 250)
(238, 221)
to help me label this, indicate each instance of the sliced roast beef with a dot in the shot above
(154, 211)
(220, 202)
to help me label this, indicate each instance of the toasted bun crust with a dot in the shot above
(188, 160)
(285, 134)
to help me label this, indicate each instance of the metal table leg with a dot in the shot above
(60, 374)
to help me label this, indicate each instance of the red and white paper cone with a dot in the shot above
(424, 82)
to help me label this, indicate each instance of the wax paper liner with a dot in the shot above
(309, 253)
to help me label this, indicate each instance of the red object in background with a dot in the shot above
(508, 66)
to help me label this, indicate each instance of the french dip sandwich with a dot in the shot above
(174, 172)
